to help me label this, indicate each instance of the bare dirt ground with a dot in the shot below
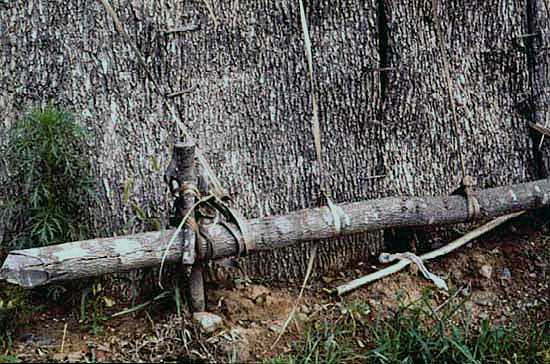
(505, 273)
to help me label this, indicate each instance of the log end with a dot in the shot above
(27, 278)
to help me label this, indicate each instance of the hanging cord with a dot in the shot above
(316, 129)
(387, 258)
(315, 117)
(324, 190)
(308, 272)
(467, 182)
(315, 112)
(466, 188)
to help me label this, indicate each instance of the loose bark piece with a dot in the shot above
(436, 253)
(79, 259)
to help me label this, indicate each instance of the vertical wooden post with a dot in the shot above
(197, 292)
(181, 176)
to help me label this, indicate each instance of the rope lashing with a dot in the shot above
(244, 242)
(466, 190)
(192, 224)
(189, 188)
(178, 230)
(473, 204)
(387, 258)
(335, 214)
(467, 181)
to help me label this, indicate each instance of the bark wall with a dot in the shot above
(248, 105)
(251, 109)
(489, 76)
(68, 53)
(248, 101)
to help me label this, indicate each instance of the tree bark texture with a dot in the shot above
(483, 42)
(383, 104)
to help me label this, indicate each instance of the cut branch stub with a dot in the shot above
(181, 177)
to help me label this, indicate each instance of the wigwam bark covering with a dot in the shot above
(384, 105)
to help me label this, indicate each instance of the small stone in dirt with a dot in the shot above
(258, 294)
(208, 321)
(486, 271)
(277, 326)
(505, 274)
(305, 309)
(301, 317)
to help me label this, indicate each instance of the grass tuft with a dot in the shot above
(416, 333)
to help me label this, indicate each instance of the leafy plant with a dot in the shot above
(13, 304)
(47, 175)
(94, 301)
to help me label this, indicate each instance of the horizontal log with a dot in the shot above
(37, 266)
(278, 231)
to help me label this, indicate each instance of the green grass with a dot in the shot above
(4, 358)
(415, 333)
(14, 309)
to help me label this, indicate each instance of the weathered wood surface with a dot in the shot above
(94, 257)
(382, 95)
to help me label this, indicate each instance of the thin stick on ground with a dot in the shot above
(434, 254)
(63, 340)
(291, 315)
(141, 305)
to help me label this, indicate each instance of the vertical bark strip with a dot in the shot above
(537, 41)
